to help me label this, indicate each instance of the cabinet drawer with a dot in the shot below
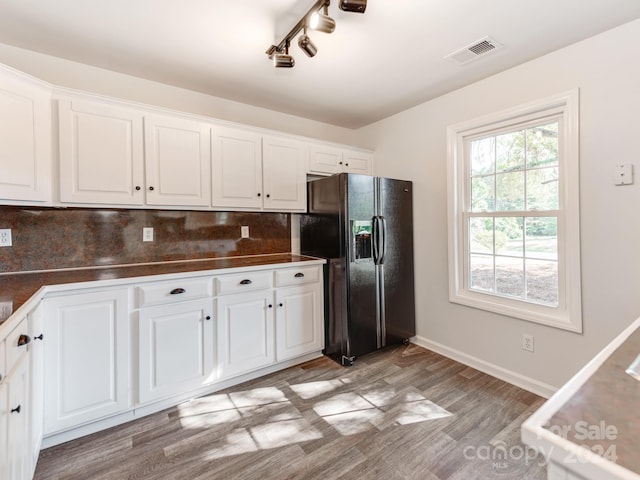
(297, 276)
(17, 344)
(243, 282)
(172, 291)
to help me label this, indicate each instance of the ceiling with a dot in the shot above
(373, 65)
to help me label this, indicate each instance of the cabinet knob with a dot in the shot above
(138, 187)
(151, 188)
(268, 196)
(259, 194)
(246, 281)
(24, 340)
(280, 304)
(346, 164)
(208, 317)
(39, 337)
(270, 306)
(177, 291)
(340, 163)
(16, 410)
(299, 275)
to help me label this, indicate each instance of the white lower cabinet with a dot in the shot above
(18, 441)
(36, 386)
(176, 349)
(245, 332)
(299, 321)
(86, 358)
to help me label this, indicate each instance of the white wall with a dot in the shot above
(412, 145)
(65, 73)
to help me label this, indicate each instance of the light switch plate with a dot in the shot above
(244, 231)
(623, 174)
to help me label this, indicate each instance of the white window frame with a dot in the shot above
(568, 314)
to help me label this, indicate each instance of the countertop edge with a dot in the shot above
(17, 316)
(559, 449)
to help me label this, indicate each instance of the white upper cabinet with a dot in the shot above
(328, 160)
(25, 139)
(178, 161)
(284, 165)
(357, 162)
(101, 153)
(257, 173)
(236, 168)
(325, 159)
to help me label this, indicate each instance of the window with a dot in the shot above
(513, 213)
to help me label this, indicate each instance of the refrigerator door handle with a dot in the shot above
(375, 232)
(383, 243)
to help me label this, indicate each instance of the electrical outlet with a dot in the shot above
(147, 234)
(527, 342)
(5, 237)
(244, 231)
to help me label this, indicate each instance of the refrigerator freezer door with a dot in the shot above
(397, 269)
(363, 317)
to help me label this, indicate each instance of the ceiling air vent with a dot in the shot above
(477, 49)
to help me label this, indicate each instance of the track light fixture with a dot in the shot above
(322, 22)
(317, 18)
(358, 6)
(306, 45)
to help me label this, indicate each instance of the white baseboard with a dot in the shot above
(531, 385)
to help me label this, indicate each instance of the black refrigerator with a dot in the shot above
(363, 226)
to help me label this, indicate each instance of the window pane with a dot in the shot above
(510, 191)
(510, 152)
(542, 145)
(510, 276)
(483, 198)
(481, 273)
(483, 156)
(509, 236)
(542, 189)
(541, 238)
(542, 281)
(481, 235)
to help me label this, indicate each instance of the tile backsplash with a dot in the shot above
(53, 238)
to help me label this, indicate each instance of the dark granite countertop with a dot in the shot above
(17, 288)
(603, 415)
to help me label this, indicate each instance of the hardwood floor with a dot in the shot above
(403, 413)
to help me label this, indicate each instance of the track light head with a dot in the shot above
(307, 46)
(358, 6)
(322, 22)
(283, 59)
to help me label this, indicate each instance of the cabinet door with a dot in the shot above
(25, 140)
(284, 174)
(36, 387)
(101, 153)
(178, 161)
(4, 429)
(86, 358)
(237, 168)
(358, 162)
(176, 349)
(19, 455)
(325, 159)
(299, 321)
(245, 332)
